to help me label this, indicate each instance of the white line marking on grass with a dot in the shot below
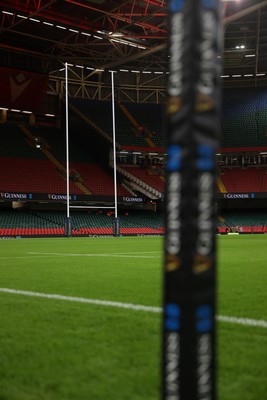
(122, 255)
(27, 257)
(137, 307)
(34, 255)
(243, 321)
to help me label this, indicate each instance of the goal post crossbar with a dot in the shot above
(93, 207)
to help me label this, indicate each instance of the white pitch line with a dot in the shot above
(243, 321)
(121, 255)
(33, 255)
(138, 307)
(27, 257)
(128, 252)
(83, 300)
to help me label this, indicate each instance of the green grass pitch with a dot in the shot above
(52, 349)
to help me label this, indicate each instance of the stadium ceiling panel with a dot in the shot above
(103, 34)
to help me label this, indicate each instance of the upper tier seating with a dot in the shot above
(244, 117)
(242, 181)
(32, 176)
(100, 112)
(97, 180)
(144, 174)
(27, 169)
(13, 143)
(152, 117)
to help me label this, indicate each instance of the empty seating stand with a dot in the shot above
(151, 116)
(244, 181)
(244, 221)
(13, 143)
(136, 222)
(32, 176)
(45, 223)
(243, 119)
(98, 180)
(145, 175)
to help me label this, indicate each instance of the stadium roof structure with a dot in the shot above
(126, 35)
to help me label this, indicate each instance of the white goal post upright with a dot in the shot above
(68, 228)
(68, 224)
(116, 222)
(114, 144)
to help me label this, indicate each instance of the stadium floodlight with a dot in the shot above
(38, 142)
(34, 20)
(7, 13)
(188, 365)
(48, 23)
(61, 27)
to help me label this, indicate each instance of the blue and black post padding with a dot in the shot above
(192, 113)
(116, 226)
(68, 227)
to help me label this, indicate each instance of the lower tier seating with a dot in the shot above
(243, 222)
(33, 223)
(28, 223)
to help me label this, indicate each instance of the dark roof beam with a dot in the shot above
(116, 16)
(20, 21)
(243, 13)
